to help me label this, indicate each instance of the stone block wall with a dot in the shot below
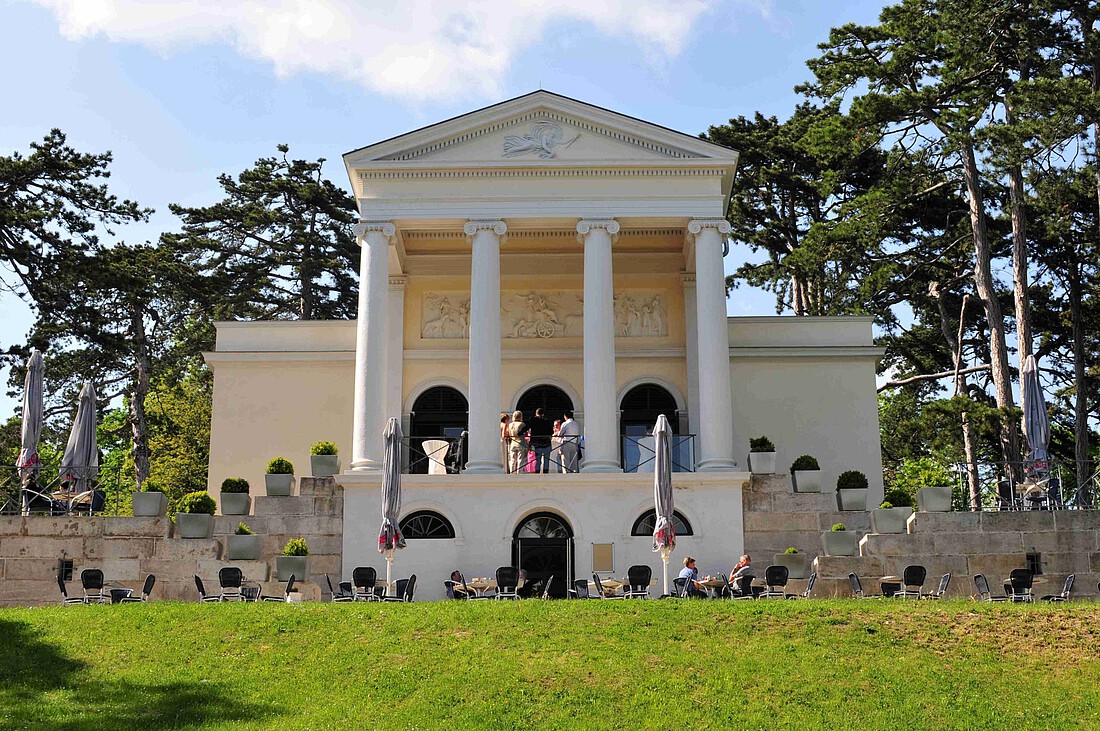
(128, 548)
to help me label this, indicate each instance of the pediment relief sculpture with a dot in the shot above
(544, 140)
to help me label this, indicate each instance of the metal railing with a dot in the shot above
(49, 490)
(432, 455)
(1028, 485)
(638, 453)
(562, 456)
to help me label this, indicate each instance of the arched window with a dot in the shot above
(645, 523)
(642, 405)
(441, 411)
(552, 400)
(544, 525)
(426, 524)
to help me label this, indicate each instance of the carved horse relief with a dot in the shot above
(544, 139)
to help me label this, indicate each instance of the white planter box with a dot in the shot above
(840, 543)
(279, 485)
(194, 525)
(852, 499)
(934, 499)
(889, 520)
(762, 463)
(807, 480)
(243, 548)
(150, 504)
(324, 465)
(296, 566)
(798, 564)
(235, 503)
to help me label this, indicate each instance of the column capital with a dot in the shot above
(585, 225)
(696, 225)
(386, 228)
(398, 281)
(687, 279)
(496, 226)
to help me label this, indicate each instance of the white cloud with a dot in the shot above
(414, 49)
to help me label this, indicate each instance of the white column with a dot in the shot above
(370, 345)
(601, 412)
(692, 336)
(484, 441)
(395, 344)
(715, 440)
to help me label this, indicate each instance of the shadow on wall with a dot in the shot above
(43, 687)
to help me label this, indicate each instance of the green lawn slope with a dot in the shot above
(517, 665)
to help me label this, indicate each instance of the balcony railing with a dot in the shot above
(1027, 485)
(638, 453)
(49, 490)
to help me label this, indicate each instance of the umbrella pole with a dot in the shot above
(389, 570)
(664, 559)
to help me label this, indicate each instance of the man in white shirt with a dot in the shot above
(569, 434)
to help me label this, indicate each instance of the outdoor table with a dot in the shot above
(712, 584)
(480, 586)
(890, 585)
(250, 591)
(118, 594)
(608, 587)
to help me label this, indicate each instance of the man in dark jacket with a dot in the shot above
(541, 431)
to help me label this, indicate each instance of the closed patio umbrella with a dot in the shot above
(80, 463)
(664, 534)
(1036, 423)
(29, 461)
(389, 537)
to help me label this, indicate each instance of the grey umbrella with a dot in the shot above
(389, 537)
(29, 461)
(1036, 424)
(664, 533)
(80, 463)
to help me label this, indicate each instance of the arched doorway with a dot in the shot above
(440, 411)
(638, 411)
(552, 400)
(542, 545)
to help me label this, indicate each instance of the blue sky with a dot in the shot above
(183, 91)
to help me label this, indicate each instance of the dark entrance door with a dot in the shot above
(552, 400)
(638, 411)
(543, 547)
(440, 411)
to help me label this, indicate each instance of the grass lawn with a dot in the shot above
(516, 665)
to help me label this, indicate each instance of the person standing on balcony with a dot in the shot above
(505, 420)
(569, 435)
(541, 432)
(517, 440)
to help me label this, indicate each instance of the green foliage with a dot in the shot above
(761, 444)
(320, 448)
(197, 502)
(914, 474)
(851, 480)
(900, 498)
(235, 485)
(244, 530)
(296, 547)
(886, 505)
(838, 528)
(805, 462)
(152, 486)
(791, 551)
(280, 466)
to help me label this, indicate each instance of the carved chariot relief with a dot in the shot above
(541, 315)
(544, 140)
(445, 315)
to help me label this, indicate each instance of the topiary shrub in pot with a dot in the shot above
(150, 502)
(234, 498)
(797, 563)
(294, 561)
(851, 490)
(279, 479)
(761, 456)
(840, 541)
(195, 516)
(888, 518)
(806, 474)
(323, 461)
(243, 545)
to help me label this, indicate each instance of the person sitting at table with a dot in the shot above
(742, 569)
(691, 574)
(457, 588)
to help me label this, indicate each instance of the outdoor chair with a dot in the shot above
(639, 577)
(912, 582)
(941, 589)
(809, 587)
(857, 588)
(775, 580)
(546, 588)
(742, 587)
(454, 591)
(403, 591)
(65, 598)
(203, 597)
(580, 590)
(339, 595)
(982, 585)
(1066, 589)
(681, 587)
(1019, 585)
(92, 582)
(285, 598)
(364, 580)
(88, 502)
(507, 580)
(230, 579)
(146, 590)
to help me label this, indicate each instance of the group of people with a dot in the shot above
(528, 446)
(743, 568)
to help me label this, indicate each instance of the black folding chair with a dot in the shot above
(639, 576)
(339, 595)
(230, 579)
(912, 582)
(203, 596)
(1066, 589)
(364, 580)
(945, 580)
(982, 585)
(146, 590)
(1019, 585)
(507, 581)
(809, 587)
(65, 598)
(775, 579)
(404, 590)
(285, 598)
(580, 590)
(91, 580)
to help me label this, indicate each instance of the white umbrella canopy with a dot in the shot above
(1036, 422)
(28, 461)
(80, 463)
(389, 536)
(664, 533)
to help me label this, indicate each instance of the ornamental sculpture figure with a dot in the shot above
(543, 140)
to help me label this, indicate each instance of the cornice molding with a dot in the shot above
(469, 173)
(398, 281)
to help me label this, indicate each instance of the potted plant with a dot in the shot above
(806, 474)
(797, 563)
(840, 542)
(851, 490)
(150, 502)
(195, 516)
(243, 545)
(935, 499)
(893, 514)
(279, 479)
(235, 500)
(294, 561)
(761, 456)
(323, 461)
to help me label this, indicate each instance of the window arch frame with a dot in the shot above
(446, 525)
(679, 520)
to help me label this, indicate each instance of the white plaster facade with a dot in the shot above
(544, 241)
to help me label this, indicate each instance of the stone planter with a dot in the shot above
(762, 463)
(279, 485)
(324, 465)
(889, 520)
(296, 566)
(841, 543)
(194, 525)
(851, 499)
(150, 504)
(243, 548)
(934, 499)
(798, 564)
(235, 503)
(807, 480)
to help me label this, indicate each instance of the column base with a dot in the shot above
(487, 467)
(365, 465)
(601, 465)
(717, 464)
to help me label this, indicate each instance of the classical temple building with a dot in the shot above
(544, 252)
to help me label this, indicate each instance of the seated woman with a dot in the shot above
(741, 570)
(690, 574)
